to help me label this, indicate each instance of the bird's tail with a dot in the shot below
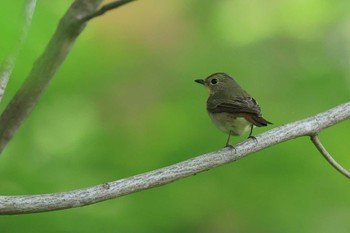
(257, 120)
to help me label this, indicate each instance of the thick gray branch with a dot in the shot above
(56, 201)
(9, 63)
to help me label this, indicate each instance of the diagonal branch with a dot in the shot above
(9, 63)
(76, 198)
(107, 7)
(316, 141)
(45, 68)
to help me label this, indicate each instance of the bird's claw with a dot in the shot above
(253, 137)
(230, 146)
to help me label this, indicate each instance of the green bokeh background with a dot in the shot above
(124, 102)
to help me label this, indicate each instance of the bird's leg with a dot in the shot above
(251, 133)
(228, 140)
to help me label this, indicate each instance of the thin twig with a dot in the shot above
(316, 141)
(9, 63)
(76, 198)
(107, 7)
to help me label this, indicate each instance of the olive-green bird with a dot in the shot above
(230, 107)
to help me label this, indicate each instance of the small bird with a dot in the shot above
(231, 108)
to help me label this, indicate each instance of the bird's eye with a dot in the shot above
(214, 81)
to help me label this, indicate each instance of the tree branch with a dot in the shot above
(9, 63)
(316, 141)
(107, 7)
(64, 200)
(44, 69)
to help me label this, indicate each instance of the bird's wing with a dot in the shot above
(236, 105)
(247, 107)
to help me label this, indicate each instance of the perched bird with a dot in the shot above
(230, 107)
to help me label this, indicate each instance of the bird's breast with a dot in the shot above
(227, 122)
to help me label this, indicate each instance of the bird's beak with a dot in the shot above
(200, 81)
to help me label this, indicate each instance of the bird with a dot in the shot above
(231, 108)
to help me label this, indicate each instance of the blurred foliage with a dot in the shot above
(124, 102)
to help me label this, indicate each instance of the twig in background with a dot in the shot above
(107, 7)
(9, 63)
